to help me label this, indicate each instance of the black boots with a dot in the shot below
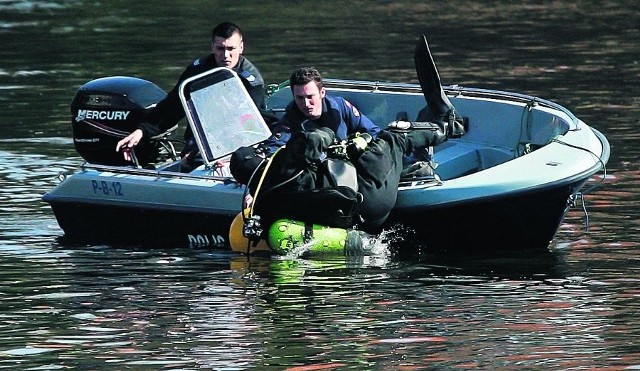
(423, 134)
(418, 135)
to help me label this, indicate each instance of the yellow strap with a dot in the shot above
(264, 174)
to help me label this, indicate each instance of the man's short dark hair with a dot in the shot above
(304, 75)
(225, 30)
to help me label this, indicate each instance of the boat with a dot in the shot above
(506, 184)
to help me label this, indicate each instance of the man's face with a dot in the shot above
(227, 51)
(308, 98)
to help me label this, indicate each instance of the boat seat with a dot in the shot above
(456, 160)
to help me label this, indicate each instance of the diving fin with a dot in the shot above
(441, 108)
(429, 80)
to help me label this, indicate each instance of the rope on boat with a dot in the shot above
(572, 203)
(581, 195)
(524, 147)
(584, 209)
(604, 166)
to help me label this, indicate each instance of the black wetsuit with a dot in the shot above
(302, 184)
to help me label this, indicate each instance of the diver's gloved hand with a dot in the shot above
(358, 144)
(310, 147)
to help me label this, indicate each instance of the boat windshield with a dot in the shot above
(221, 113)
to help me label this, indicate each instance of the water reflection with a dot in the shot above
(184, 308)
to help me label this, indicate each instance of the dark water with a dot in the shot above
(67, 305)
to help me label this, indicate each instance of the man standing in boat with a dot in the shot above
(227, 46)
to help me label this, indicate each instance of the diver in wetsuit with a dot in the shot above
(301, 182)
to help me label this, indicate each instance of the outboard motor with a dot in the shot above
(108, 109)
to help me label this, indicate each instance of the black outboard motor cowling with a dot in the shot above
(108, 109)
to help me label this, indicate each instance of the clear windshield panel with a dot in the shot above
(221, 113)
